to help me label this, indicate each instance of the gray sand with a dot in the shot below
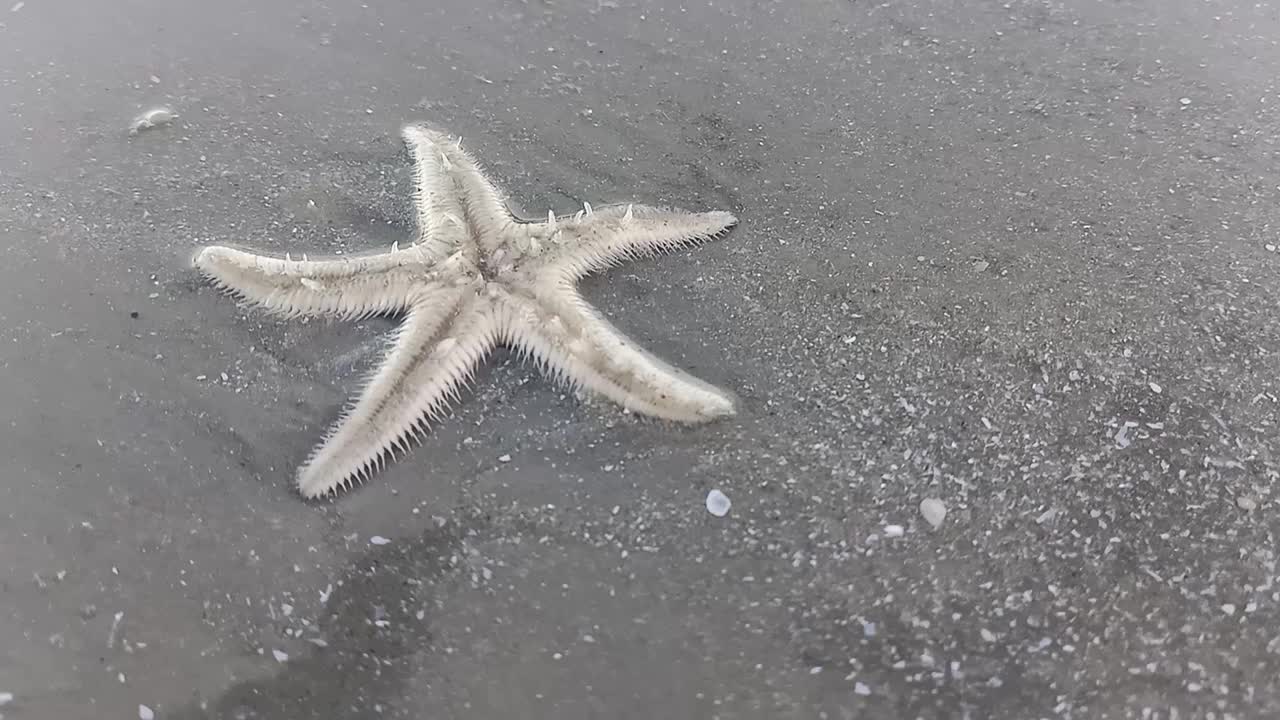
(1010, 255)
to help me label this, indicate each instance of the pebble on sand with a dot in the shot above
(718, 503)
(934, 512)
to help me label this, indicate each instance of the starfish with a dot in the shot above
(473, 277)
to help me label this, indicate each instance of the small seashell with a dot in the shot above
(155, 117)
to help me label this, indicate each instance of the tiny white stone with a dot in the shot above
(1270, 247)
(718, 503)
(1244, 502)
(378, 540)
(894, 531)
(1229, 609)
(1185, 101)
(934, 511)
(280, 656)
(287, 609)
(861, 689)
(6, 698)
(146, 713)
(504, 458)
(1155, 388)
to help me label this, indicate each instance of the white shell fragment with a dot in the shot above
(718, 503)
(146, 713)
(378, 540)
(894, 531)
(934, 512)
(155, 117)
(280, 656)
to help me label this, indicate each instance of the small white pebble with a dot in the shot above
(934, 511)
(146, 713)
(718, 503)
(1229, 609)
(1244, 502)
(504, 458)
(5, 698)
(17, 6)
(894, 531)
(1185, 101)
(861, 689)
(280, 656)
(1270, 247)
(1155, 388)
(378, 540)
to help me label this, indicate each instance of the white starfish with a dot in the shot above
(475, 276)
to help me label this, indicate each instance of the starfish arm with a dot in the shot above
(346, 287)
(575, 345)
(433, 355)
(450, 180)
(610, 235)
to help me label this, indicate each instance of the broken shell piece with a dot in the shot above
(586, 207)
(153, 118)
